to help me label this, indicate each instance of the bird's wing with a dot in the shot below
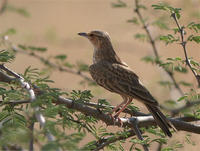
(120, 79)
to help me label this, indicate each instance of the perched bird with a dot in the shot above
(110, 72)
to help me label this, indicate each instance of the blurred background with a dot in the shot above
(54, 24)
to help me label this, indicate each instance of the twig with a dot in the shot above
(176, 111)
(183, 44)
(106, 141)
(46, 61)
(134, 122)
(15, 102)
(152, 41)
(31, 128)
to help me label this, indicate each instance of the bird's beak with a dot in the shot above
(83, 34)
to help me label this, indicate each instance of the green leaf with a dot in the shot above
(170, 9)
(185, 83)
(180, 69)
(182, 98)
(21, 11)
(82, 66)
(194, 63)
(10, 31)
(175, 59)
(32, 48)
(134, 20)
(195, 38)
(69, 65)
(6, 56)
(194, 26)
(61, 57)
(40, 49)
(148, 59)
(161, 6)
(168, 39)
(161, 24)
(119, 4)
(141, 37)
(165, 83)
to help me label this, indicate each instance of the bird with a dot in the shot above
(111, 73)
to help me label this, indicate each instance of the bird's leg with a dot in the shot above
(118, 106)
(117, 114)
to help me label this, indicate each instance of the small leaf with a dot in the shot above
(196, 39)
(10, 31)
(21, 11)
(69, 65)
(141, 37)
(119, 4)
(6, 56)
(185, 83)
(61, 57)
(133, 20)
(161, 24)
(168, 39)
(41, 49)
(194, 26)
(182, 98)
(82, 66)
(180, 69)
(148, 59)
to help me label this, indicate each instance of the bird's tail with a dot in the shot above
(160, 119)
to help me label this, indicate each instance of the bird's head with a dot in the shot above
(97, 38)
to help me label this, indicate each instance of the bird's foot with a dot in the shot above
(116, 117)
(110, 114)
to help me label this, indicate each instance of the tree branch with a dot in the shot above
(152, 42)
(40, 118)
(143, 121)
(176, 111)
(183, 44)
(108, 140)
(46, 61)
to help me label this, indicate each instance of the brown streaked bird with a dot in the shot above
(110, 72)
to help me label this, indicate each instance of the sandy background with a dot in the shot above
(55, 23)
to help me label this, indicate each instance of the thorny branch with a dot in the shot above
(47, 62)
(40, 118)
(108, 140)
(152, 41)
(143, 121)
(134, 122)
(183, 44)
(187, 105)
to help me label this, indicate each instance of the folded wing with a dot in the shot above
(120, 79)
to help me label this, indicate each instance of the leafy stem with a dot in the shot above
(152, 42)
(183, 44)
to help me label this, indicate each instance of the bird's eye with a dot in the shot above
(91, 35)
